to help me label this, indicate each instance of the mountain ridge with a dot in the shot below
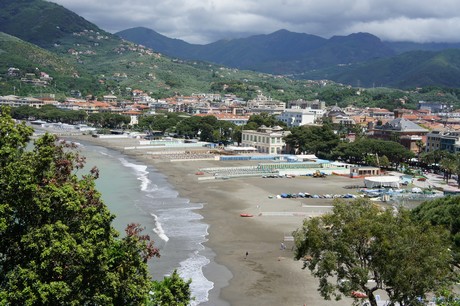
(358, 58)
(269, 53)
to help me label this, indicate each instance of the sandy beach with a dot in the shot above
(268, 275)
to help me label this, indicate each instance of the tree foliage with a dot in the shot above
(312, 139)
(207, 128)
(359, 242)
(266, 119)
(172, 291)
(373, 151)
(443, 212)
(49, 113)
(58, 245)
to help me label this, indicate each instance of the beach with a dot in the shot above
(268, 275)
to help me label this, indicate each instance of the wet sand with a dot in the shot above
(269, 275)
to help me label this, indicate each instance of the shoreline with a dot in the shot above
(269, 275)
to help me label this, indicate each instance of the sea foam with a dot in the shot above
(159, 229)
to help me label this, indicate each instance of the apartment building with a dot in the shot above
(448, 140)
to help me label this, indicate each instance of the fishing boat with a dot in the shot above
(246, 215)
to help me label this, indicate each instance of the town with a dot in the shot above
(432, 126)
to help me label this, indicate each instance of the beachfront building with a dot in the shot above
(265, 139)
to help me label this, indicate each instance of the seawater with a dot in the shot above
(137, 193)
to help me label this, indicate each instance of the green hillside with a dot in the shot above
(410, 69)
(80, 57)
(42, 23)
(30, 59)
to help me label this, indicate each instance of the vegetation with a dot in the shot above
(172, 291)
(359, 242)
(448, 162)
(83, 58)
(58, 245)
(372, 152)
(443, 212)
(312, 139)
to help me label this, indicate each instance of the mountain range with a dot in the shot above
(173, 65)
(359, 59)
(281, 52)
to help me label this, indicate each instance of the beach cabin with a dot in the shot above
(356, 171)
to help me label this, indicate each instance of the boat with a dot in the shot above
(358, 294)
(246, 215)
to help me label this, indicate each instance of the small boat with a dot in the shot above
(246, 215)
(358, 294)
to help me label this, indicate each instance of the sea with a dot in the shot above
(138, 193)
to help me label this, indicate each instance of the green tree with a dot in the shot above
(266, 119)
(443, 212)
(367, 150)
(172, 291)
(58, 245)
(358, 243)
(312, 139)
(449, 164)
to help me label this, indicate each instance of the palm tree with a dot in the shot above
(449, 164)
(420, 146)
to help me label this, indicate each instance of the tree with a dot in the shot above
(312, 139)
(172, 291)
(367, 149)
(58, 245)
(359, 242)
(449, 164)
(264, 119)
(443, 212)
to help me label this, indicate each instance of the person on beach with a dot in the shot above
(246, 256)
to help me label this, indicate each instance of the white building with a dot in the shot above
(263, 104)
(297, 117)
(265, 139)
(16, 101)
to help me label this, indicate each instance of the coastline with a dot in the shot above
(269, 275)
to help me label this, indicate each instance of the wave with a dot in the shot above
(158, 229)
(142, 175)
(192, 268)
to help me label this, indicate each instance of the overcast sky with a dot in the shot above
(205, 21)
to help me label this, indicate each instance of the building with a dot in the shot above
(265, 139)
(434, 107)
(16, 101)
(236, 120)
(315, 104)
(443, 140)
(401, 130)
(297, 117)
(263, 104)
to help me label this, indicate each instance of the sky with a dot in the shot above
(206, 21)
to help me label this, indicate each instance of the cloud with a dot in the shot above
(206, 21)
